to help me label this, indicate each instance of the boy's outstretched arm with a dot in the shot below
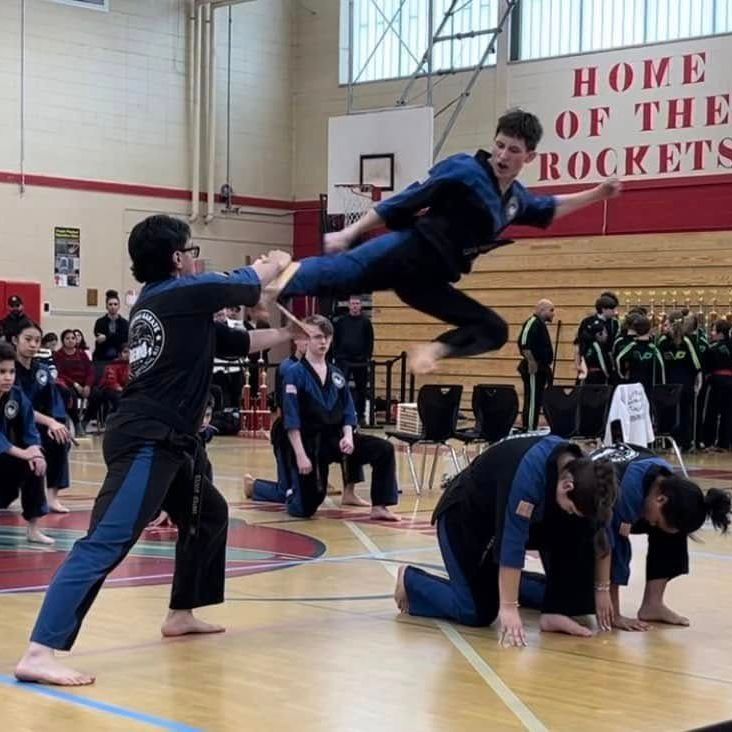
(571, 202)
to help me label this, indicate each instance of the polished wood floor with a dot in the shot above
(314, 642)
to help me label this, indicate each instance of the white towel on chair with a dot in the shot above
(630, 406)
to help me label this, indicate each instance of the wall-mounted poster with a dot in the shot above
(66, 256)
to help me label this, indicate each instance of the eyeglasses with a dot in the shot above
(194, 251)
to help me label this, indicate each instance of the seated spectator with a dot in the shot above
(50, 342)
(75, 376)
(81, 342)
(114, 380)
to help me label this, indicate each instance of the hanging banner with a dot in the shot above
(66, 256)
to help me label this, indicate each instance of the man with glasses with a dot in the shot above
(150, 448)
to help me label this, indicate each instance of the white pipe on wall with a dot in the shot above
(211, 119)
(196, 121)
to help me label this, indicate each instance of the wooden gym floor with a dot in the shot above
(314, 642)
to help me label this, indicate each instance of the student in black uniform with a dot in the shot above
(606, 312)
(39, 385)
(683, 366)
(526, 492)
(320, 418)
(717, 407)
(640, 361)
(276, 491)
(22, 465)
(439, 227)
(537, 354)
(668, 508)
(150, 446)
(595, 367)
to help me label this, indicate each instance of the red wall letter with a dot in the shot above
(585, 82)
(649, 109)
(725, 153)
(549, 166)
(717, 110)
(602, 167)
(701, 147)
(634, 159)
(598, 117)
(656, 77)
(694, 68)
(579, 164)
(666, 162)
(621, 77)
(567, 124)
(680, 113)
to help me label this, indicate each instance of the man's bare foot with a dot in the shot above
(423, 358)
(36, 536)
(248, 486)
(552, 623)
(161, 521)
(661, 614)
(57, 507)
(184, 622)
(400, 592)
(41, 666)
(382, 513)
(351, 498)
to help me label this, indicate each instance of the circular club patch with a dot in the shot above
(147, 340)
(512, 208)
(338, 380)
(42, 377)
(250, 549)
(11, 409)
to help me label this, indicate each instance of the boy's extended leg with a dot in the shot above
(138, 475)
(480, 328)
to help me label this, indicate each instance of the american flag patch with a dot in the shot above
(525, 509)
(290, 389)
(625, 529)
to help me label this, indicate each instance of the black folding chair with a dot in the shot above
(561, 407)
(438, 408)
(666, 414)
(594, 405)
(495, 407)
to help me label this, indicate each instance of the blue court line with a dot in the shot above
(97, 705)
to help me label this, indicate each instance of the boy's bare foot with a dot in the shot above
(54, 505)
(551, 623)
(424, 357)
(248, 485)
(184, 622)
(400, 591)
(382, 513)
(36, 536)
(661, 614)
(350, 498)
(39, 665)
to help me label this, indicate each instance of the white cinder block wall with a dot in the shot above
(106, 98)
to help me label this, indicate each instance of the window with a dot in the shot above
(544, 28)
(91, 4)
(390, 37)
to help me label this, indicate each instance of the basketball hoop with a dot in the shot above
(355, 200)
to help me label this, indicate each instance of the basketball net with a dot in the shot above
(355, 200)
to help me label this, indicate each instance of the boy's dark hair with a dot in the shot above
(111, 295)
(722, 326)
(641, 325)
(7, 352)
(610, 293)
(151, 246)
(522, 125)
(687, 507)
(23, 324)
(48, 338)
(605, 302)
(321, 323)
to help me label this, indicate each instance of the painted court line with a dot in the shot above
(522, 712)
(98, 706)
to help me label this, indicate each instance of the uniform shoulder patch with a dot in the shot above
(525, 509)
(338, 380)
(290, 389)
(11, 409)
(42, 377)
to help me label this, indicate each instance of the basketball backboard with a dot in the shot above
(389, 149)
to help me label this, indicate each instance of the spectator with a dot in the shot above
(75, 376)
(110, 331)
(81, 342)
(115, 379)
(9, 324)
(50, 342)
(353, 348)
